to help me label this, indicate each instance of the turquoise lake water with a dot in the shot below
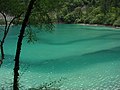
(85, 57)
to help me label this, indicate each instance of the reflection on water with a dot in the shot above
(87, 56)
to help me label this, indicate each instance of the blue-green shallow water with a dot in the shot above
(87, 56)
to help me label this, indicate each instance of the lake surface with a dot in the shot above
(80, 57)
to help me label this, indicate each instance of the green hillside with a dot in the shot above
(90, 12)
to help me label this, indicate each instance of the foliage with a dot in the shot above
(90, 11)
(69, 18)
(110, 19)
(12, 7)
(117, 22)
(31, 35)
(98, 19)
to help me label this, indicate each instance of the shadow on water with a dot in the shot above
(71, 63)
(75, 62)
(101, 37)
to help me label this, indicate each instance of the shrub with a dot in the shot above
(95, 11)
(110, 18)
(92, 16)
(98, 19)
(69, 18)
(79, 20)
(117, 22)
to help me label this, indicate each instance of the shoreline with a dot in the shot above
(105, 25)
(116, 27)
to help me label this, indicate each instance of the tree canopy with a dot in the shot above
(36, 13)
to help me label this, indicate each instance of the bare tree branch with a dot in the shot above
(7, 28)
(12, 22)
(5, 18)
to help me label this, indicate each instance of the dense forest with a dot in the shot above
(105, 12)
(90, 12)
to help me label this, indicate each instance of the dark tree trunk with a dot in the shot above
(2, 51)
(5, 34)
(2, 46)
(19, 44)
